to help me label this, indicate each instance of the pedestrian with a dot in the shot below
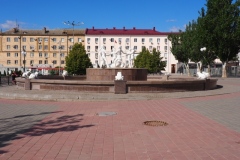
(14, 75)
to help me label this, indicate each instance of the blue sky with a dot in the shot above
(164, 15)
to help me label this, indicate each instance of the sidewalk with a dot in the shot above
(201, 125)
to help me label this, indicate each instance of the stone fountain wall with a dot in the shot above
(108, 74)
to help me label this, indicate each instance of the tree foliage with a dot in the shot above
(151, 61)
(77, 61)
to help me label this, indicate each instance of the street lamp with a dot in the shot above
(73, 24)
(24, 55)
(60, 47)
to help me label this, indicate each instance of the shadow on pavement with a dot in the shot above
(49, 125)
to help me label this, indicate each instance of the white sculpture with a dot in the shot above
(203, 75)
(117, 62)
(26, 74)
(33, 75)
(119, 76)
(64, 74)
(130, 57)
(103, 54)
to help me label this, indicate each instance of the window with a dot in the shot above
(16, 62)
(15, 46)
(96, 48)
(31, 54)
(165, 48)
(39, 39)
(135, 48)
(31, 39)
(71, 39)
(16, 39)
(165, 55)
(135, 40)
(45, 39)
(8, 61)
(45, 47)
(62, 61)
(16, 54)
(79, 40)
(150, 48)
(62, 47)
(119, 40)
(62, 39)
(143, 47)
(96, 61)
(40, 47)
(96, 40)
(127, 40)
(45, 61)
(112, 39)
(88, 48)
(54, 39)
(54, 62)
(8, 54)
(96, 55)
(31, 47)
(8, 46)
(165, 40)
(88, 40)
(127, 47)
(150, 40)
(54, 47)
(104, 40)
(112, 48)
(31, 62)
(158, 40)
(62, 55)
(54, 54)
(24, 47)
(40, 54)
(143, 40)
(40, 62)
(45, 55)
(158, 48)
(8, 39)
(24, 39)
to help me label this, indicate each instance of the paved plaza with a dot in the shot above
(48, 125)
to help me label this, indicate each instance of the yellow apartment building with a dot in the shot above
(37, 48)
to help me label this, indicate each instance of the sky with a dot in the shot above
(164, 15)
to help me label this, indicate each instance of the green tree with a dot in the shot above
(77, 61)
(152, 62)
(221, 26)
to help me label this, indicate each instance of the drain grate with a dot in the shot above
(106, 113)
(155, 123)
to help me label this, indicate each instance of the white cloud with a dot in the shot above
(8, 24)
(176, 29)
(171, 20)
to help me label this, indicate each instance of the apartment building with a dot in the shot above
(39, 48)
(133, 38)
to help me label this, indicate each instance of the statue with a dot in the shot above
(119, 76)
(203, 75)
(103, 54)
(117, 58)
(130, 57)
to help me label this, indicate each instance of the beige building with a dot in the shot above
(40, 48)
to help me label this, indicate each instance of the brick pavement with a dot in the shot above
(200, 127)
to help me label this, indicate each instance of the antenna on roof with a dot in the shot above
(17, 25)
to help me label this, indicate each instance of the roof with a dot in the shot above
(125, 31)
(43, 32)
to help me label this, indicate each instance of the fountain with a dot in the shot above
(117, 77)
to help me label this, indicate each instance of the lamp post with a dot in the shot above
(24, 55)
(73, 24)
(60, 47)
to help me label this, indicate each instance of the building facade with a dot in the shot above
(128, 39)
(39, 48)
(21, 49)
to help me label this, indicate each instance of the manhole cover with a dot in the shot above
(155, 123)
(106, 113)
